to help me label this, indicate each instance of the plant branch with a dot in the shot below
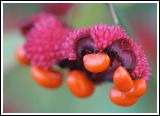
(113, 13)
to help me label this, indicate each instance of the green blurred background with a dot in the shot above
(22, 94)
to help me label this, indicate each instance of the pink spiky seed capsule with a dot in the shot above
(44, 40)
(27, 24)
(112, 40)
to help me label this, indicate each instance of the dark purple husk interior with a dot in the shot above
(120, 53)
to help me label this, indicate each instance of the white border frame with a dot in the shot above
(157, 2)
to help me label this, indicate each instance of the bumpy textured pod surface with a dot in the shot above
(69, 44)
(44, 40)
(27, 24)
(104, 36)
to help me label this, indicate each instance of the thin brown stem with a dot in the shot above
(113, 13)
